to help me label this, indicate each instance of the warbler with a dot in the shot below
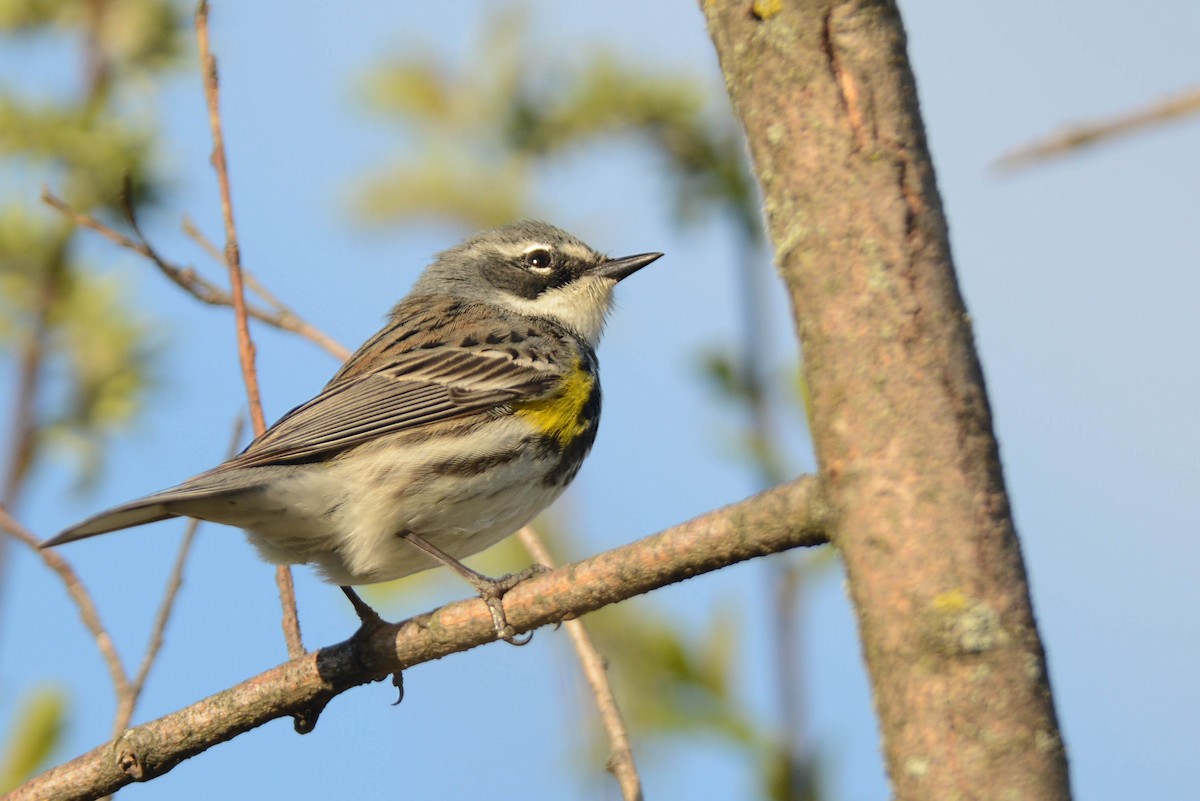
(452, 427)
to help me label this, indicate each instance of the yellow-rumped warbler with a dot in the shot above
(447, 431)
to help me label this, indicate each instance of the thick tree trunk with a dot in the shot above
(899, 414)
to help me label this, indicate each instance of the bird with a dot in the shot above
(466, 415)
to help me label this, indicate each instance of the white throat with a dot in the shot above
(581, 306)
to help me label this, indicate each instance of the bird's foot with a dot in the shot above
(493, 590)
(370, 622)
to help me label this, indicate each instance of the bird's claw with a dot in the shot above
(493, 590)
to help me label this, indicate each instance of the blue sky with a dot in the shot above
(1080, 278)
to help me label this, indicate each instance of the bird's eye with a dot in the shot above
(539, 259)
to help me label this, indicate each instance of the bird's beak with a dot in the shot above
(617, 269)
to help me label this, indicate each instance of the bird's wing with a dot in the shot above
(415, 389)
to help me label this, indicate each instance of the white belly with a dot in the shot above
(345, 516)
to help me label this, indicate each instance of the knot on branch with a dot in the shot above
(305, 720)
(129, 755)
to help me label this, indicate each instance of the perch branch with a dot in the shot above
(788, 516)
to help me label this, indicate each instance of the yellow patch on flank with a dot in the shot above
(560, 415)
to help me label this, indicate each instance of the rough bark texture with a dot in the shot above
(899, 415)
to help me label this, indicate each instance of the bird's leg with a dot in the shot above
(491, 590)
(371, 622)
(369, 617)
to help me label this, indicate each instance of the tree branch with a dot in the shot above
(233, 260)
(1093, 132)
(127, 701)
(82, 598)
(189, 280)
(789, 516)
(899, 413)
(23, 432)
(295, 323)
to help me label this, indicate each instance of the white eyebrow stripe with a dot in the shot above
(581, 253)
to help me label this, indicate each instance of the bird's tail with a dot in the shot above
(192, 498)
(134, 513)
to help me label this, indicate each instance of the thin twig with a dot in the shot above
(196, 235)
(233, 258)
(128, 701)
(187, 279)
(620, 759)
(23, 433)
(784, 577)
(33, 353)
(208, 246)
(784, 583)
(1076, 137)
(81, 597)
(788, 596)
(282, 310)
(290, 621)
(208, 69)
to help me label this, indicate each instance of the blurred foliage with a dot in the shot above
(133, 35)
(78, 354)
(36, 730)
(91, 153)
(673, 683)
(483, 131)
(702, 151)
(106, 376)
(449, 185)
(670, 682)
(790, 769)
(23, 15)
(82, 355)
(733, 381)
